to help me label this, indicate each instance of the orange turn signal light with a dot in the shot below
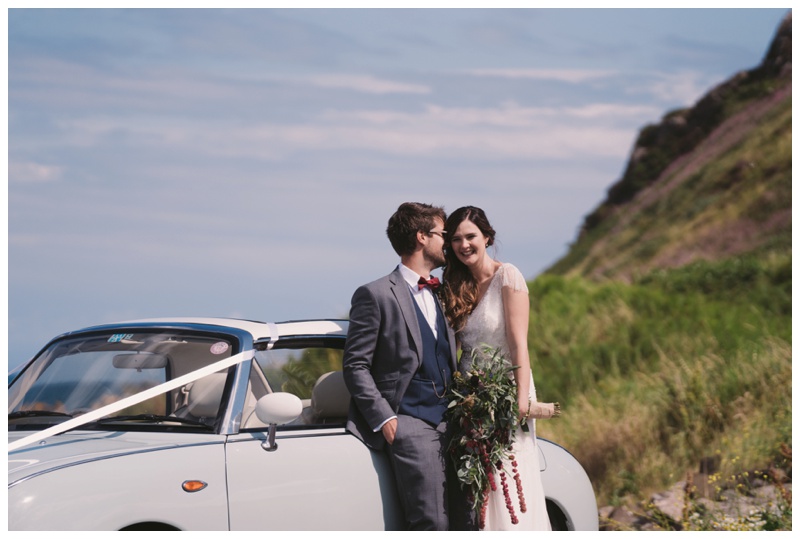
(194, 485)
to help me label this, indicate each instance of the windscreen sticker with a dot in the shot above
(119, 337)
(219, 348)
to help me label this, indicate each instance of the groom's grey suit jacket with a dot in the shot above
(382, 354)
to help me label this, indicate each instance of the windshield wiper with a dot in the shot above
(152, 417)
(37, 413)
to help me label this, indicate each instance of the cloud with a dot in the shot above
(508, 115)
(676, 89)
(510, 130)
(367, 84)
(611, 110)
(29, 172)
(441, 140)
(474, 133)
(575, 76)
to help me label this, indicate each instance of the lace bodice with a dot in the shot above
(486, 324)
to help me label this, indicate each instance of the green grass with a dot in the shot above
(655, 375)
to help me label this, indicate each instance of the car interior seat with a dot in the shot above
(330, 400)
(203, 399)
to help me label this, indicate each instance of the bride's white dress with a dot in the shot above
(486, 326)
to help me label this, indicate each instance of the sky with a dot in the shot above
(244, 162)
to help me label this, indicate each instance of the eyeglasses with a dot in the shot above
(440, 233)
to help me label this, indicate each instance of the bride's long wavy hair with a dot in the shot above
(459, 292)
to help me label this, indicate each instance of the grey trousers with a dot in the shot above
(418, 457)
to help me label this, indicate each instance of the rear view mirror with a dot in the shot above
(140, 361)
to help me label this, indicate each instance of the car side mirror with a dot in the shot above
(277, 409)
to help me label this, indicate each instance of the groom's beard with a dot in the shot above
(435, 258)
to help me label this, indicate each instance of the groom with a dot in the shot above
(398, 362)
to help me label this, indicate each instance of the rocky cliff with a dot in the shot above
(707, 182)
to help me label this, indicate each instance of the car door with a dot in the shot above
(318, 477)
(321, 479)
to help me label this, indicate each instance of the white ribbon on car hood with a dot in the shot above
(133, 399)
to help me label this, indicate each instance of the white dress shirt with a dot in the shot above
(423, 297)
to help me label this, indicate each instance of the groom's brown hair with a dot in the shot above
(410, 218)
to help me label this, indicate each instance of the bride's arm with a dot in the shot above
(516, 310)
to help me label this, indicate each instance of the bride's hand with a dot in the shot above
(524, 411)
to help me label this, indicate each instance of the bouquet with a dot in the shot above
(483, 413)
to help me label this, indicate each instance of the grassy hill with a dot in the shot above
(666, 329)
(655, 376)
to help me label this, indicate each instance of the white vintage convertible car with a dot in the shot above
(209, 424)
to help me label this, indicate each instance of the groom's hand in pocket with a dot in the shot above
(389, 429)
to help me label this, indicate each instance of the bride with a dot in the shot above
(486, 303)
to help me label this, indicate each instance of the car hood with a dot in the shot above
(81, 446)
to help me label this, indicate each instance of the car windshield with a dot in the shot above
(76, 375)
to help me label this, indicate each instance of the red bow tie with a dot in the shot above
(432, 283)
